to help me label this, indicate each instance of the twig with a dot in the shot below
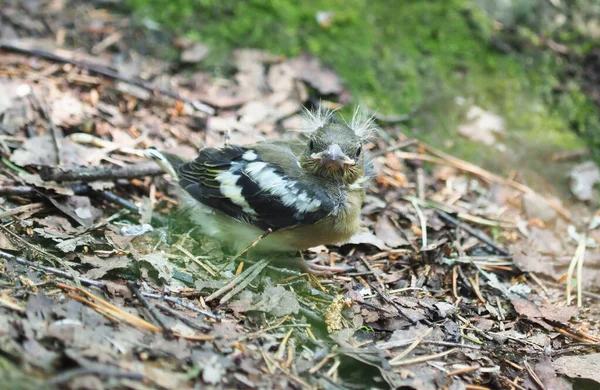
(577, 261)
(56, 134)
(17, 190)
(48, 256)
(391, 301)
(460, 214)
(111, 197)
(240, 278)
(31, 208)
(401, 343)
(181, 303)
(81, 189)
(422, 359)
(246, 249)
(181, 317)
(117, 314)
(55, 271)
(423, 222)
(477, 234)
(106, 372)
(534, 376)
(167, 332)
(88, 174)
(488, 176)
(195, 260)
(412, 346)
(198, 105)
(260, 266)
(393, 148)
(463, 370)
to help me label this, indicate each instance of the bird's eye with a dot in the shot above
(311, 144)
(358, 151)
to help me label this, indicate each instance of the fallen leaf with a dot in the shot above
(195, 53)
(79, 208)
(365, 237)
(310, 69)
(482, 126)
(159, 263)
(579, 366)
(41, 151)
(583, 179)
(386, 231)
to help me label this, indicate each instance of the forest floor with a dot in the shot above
(458, 278)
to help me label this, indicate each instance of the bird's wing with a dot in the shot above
(244, 184)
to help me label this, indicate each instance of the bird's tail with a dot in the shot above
(170, 163)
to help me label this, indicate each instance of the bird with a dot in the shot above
(304, 192)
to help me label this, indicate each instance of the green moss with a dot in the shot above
(400, 56)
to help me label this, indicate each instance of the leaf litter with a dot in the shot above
(457, 279)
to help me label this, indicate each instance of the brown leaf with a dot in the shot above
(386, 231)
(79, 208)
(310, 69)
(40, 151)
(579, 366)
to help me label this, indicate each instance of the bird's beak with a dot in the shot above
(333, 156)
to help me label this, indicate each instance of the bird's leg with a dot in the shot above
(311, 266)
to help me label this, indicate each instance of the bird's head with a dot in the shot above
(335, 148)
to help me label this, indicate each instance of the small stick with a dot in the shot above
(455, 282)
(245, 282)
(181, 303)
(390, 301)
(246, 249)
(395, 147)
(577, 259)
(181, 317)
(56, 134)
(168, 333)
(234, 281)
(534, 376)
(111, 197)
(477, 234)
(17, 190)
(423, 222)
(106, 372)
(55, 271)
(198, 105)
(580, 269)
(88, 174)
(412, 346)
(32, 208)
(463, 370)
(422, 359)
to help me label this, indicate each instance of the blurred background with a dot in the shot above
(510, 85)
(503, 83)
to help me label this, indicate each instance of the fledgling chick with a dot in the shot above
(309, 193)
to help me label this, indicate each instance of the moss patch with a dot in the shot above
(400, 56)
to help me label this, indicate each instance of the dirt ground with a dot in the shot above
(458, 280)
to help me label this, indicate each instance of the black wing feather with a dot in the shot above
(199, 179)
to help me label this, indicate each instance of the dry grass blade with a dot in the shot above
(119, 315)
(246, 281)
(426, 358)
(534, 376)
(423, 222)
(576, 261)
(238, 279)
(195, 260)
(6, 302)
(411, 347)
(446, 159)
